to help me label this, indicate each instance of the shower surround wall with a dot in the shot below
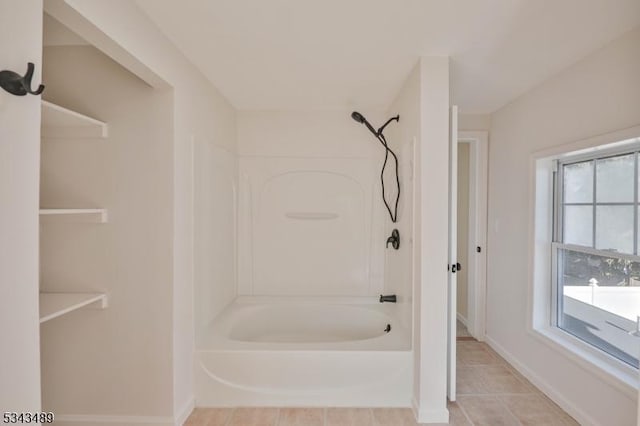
(215, 172)
(311, 217)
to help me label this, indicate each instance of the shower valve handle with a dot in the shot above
(394, 239)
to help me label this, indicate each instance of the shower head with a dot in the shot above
(360, 119)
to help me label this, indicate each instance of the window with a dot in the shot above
(595, 251)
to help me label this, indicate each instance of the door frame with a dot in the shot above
(452, 284)
(477, 277)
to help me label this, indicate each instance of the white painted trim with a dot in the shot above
(429, 416)
(478, 193)
(591, 144)
(91, 420)
(462, 319)
(185, 412)
(453, 257)
(414, 407)
(579, 415)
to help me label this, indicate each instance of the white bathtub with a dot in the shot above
(296, 351)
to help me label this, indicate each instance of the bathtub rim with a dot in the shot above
(214, 336)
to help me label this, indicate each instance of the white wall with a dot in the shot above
(130, 173)
(124, 32)
(469, 122)
(597, 95)
(424, 101)
(215, 231)
(309, 162)
(462, 276)
(20, 42)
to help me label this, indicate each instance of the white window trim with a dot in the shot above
(539, 317)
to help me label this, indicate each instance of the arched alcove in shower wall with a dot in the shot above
(310, 214)
(309, 222)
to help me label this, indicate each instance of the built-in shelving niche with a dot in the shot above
(60, 123)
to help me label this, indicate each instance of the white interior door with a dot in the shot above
(453, 263)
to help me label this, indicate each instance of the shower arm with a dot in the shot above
(396, 118)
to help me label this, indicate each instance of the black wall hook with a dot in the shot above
(18, 85)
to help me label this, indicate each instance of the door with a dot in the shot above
(453, 262)
(20, 43)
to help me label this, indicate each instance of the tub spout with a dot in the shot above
(388, 298)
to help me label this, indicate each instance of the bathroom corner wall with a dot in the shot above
(310, 216)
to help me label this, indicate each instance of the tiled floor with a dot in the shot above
(490, 392)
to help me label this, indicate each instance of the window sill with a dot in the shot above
(621, 376)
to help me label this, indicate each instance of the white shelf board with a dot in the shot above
(52, 305)
(73, 215)
(62, 123)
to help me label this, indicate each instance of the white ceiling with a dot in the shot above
(326, 54)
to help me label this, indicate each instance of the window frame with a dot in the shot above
(543, 164)
(559, 215)
(559, 204)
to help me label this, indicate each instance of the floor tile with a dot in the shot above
(487, 411)
(499, 380)
(567, 419)
(469, 381)
(475, 355)
(349, 417)
(209, 417)
(301, 417)
(456, 415)
(393, 417)
(533, 410)
(254, 417)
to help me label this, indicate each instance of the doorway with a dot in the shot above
(471, 234)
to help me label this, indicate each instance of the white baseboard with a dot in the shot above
(183, 414)
(429, 416)
(105, 420)
(579, 415)
(462, 319)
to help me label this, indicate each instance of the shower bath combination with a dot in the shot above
(394, 239)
